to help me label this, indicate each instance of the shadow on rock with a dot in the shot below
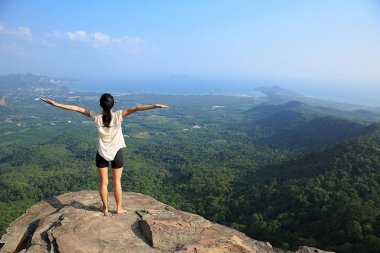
(58, 205)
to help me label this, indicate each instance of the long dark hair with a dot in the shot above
(107, 102)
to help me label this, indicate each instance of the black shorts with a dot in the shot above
(115, 164)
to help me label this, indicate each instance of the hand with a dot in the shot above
(51, 102)
(161, 106)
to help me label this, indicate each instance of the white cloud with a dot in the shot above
(126, 40)
(101, 37)
(131, 44)
(54, 35)
(77, 35)
(99, 40)
(22, 31)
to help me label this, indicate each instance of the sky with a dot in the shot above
(309, 44)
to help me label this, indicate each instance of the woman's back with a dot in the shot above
(110, 138)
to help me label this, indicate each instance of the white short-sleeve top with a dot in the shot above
(110, 138)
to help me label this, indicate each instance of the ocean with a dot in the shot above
(170, 86)
(351, 93)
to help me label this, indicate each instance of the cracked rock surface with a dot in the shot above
(73, 222)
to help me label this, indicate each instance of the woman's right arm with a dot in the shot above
(131, 110)
(67, 107)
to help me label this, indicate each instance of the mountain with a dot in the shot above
(72, 222)
(27, 80)
(308, 111)
(297, 125)
(278, 95)
(26, 85)
(317, 133)
(328, 199)
(282, 116)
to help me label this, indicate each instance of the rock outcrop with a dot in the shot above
(73, 222)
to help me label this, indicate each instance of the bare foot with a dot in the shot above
(120, 210)
(105, 211)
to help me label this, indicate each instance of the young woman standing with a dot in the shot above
(111, 142)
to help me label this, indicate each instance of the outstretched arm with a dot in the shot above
(67, 107)
(131, 110)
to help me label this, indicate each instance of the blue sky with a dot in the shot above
(318, 41)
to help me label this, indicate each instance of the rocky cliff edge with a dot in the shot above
(72, 222)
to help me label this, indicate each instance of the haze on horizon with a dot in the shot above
(328, 49)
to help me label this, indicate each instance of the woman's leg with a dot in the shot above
(103, 174)
(116, 181)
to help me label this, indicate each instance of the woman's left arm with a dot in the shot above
(131, 110)
(67, 107)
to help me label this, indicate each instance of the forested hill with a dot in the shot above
(329, 199)
(30, 82)
(317, 133)
(278, 95)
(307, 111)
(293, 174)
(299, 126)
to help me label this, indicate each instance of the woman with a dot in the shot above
(110, 144)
